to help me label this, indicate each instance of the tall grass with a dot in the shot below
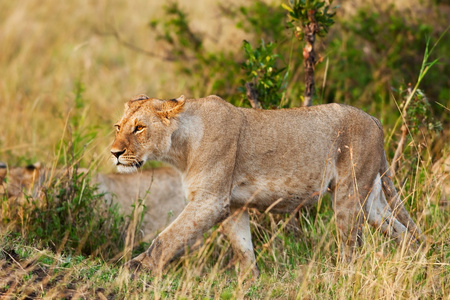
(295, 264)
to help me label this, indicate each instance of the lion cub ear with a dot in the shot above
(35, 166)
(171, 108)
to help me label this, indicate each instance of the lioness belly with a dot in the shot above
(280, 195)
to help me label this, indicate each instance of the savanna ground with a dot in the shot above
(68, 67)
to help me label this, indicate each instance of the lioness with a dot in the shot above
(160, 189)
(235, 158)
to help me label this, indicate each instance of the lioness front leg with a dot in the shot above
(237, 230)
(199, 215)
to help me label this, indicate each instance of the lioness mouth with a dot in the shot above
(138, 164)
(135, 164)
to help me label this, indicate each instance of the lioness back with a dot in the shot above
(293, 154)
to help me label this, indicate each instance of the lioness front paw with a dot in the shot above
(139, 263)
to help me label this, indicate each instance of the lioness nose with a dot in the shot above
(117, 153)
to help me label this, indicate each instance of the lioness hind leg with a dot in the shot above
(398, 209)
(379, 215)
(237, 230)
(348, 214)
(396, 204)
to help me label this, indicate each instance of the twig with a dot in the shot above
(133, 47)
(252, 96)
(399, 151)
(404, 130)
(12, 258)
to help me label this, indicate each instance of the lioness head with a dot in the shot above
(144, 132)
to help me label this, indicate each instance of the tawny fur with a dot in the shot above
(234, 158)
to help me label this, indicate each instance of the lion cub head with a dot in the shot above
(144, 132)
(14, 181)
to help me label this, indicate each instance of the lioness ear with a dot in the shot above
(136, 98)
(171, 108)
(139, 97)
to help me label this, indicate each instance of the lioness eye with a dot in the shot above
(139, 128)
(117, 128)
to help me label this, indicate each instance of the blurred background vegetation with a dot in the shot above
(53, 52)
(68, 67)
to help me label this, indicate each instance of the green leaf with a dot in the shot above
(319, 5)
(287, 7)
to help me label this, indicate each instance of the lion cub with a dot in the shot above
(160, 190)
(232, 159)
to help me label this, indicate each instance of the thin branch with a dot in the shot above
(309, 56)
(133, 47)
(399, 151)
